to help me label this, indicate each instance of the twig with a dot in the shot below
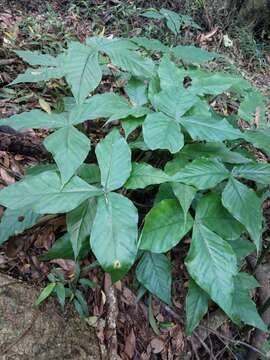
(7, 61)
(112, 314)
(212, 356)
(236, 342)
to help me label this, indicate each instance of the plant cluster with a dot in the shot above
(168, 132)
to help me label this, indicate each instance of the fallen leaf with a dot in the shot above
(157, 345)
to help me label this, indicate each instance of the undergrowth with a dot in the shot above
(176, 136)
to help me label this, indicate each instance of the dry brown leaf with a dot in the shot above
(157, 345)
(130, 344)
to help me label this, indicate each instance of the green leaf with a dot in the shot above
(106, 105)
(164, 227)
(60, 293)
(247, 110)
(209, 129)
(245, 206)
(162, 132)
(115, 229)
(164, 192)
(212, 264)
(185, 195)
(62, 249)
(202, 173)
(259, 138)
(154, 272)
(132, 62)
(89, 173)
(150, 44)
(243, 308)
(36, 58)
(143, 174)
(196, 306)
(173, 20)
(45, 193)
(45, 293)
(35, 119)
(130, 123)
(114, 159)
(79, 224)
(242, 248)
(258, 172)
(214, 216)
(14, 222)
(69, 148)
(193, 54)
(37, 75)
(151, 316)
(136, 91)
(174, 102)
(105, 45)
(152, 14)
(170, 75)
(83, 72)
(205, 83)
(213, 150)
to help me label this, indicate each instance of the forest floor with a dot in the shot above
(48, 26)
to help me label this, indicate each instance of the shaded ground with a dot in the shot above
(28, 333)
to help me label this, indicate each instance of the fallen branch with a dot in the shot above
(112, 314)
(24, 144)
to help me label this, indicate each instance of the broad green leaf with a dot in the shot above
(83, 72)
(242, 248)
(132, 62)
(209, 129)
(175, 165)
(164, 227)
(245, 206)
(36, 58)
(37, 75)
(45, 293)
(89, 173)
(162, 132)
(185, 195)
(209, 84)
(79, 224)
(38, 169)
(194, 54)
(114, 160)
(170, 75)
(213, 150)
(131, 123)
(45, 193)
(196, 306)
(202, 173)
(211, 213)
(212, 264)
(173, 20)
(62, 249)
(174, 102)
(260, 138)
(143, 174)
(152, 14)
(165, 192)
(254, 101)
(14, 222)
(154, 273)
(243, 308)
(259, 172)
(114, 234)
(106, 105)
(136, 91)
(150, 44)
(35, 119)
(105, 45)
(69, 148)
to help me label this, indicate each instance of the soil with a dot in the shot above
(28, 333)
